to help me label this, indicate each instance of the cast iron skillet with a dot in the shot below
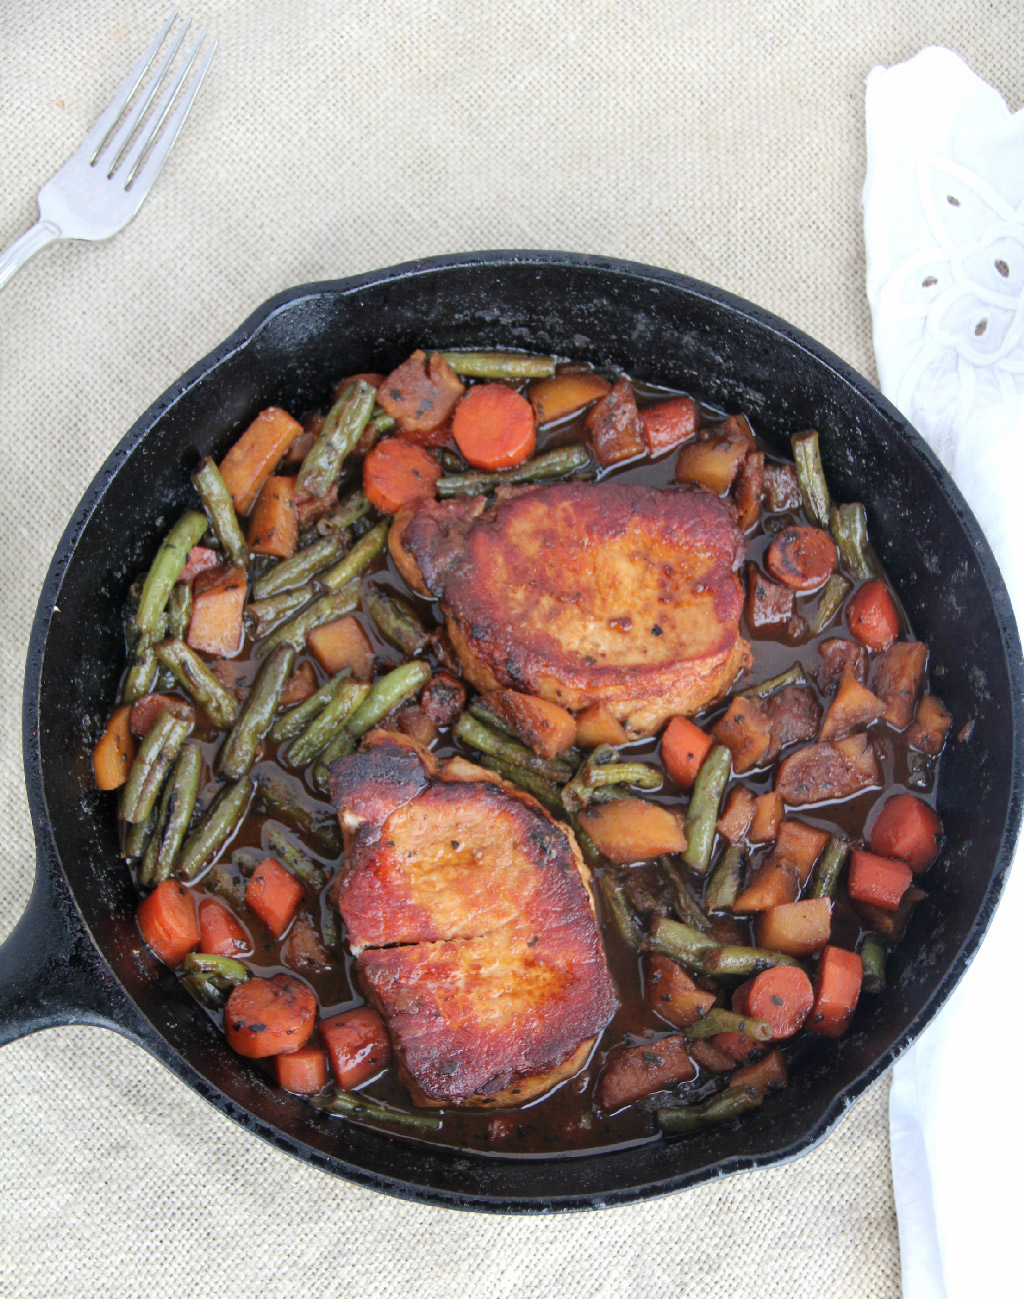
(76, 958)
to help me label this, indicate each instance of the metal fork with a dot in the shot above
(105, 181)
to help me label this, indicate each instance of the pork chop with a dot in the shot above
(583, 593)
(471, 917)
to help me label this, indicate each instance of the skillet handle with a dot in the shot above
(50, 972)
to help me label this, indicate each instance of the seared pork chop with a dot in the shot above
(470, 913)
(583, 593)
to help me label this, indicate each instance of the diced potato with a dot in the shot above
(342, 643)
(595, 725)
(735, 819)
(256, 455)
(217, 607)
(930, 725)
(714, 463)
(853, 707)
(799, 846)
(797, 928)
(766, 1075)
(897, 679)
(563, 394)
(631, 829)
(546, 727)
(274, 523)
(634, 1071)
(768, 812)
(672, 993)
(771, 885)
(746, 732)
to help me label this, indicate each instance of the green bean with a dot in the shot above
(718, 1020)
(594, 775)
(298, 570)
(490, 718)
(702, 814)
(262, 616)
(396, 620)
(341, 746)
(245, 860)
(725, 881)
(811, 476)
(587, 845)
(176, 808)
(206, 990)
(295, 720)
(362, 554)
(293, 632)
(837, 588)
(744, 960)
(276, 792)
(170, 560)
(136, 837)
(873, 954)
(220, 881)
(220, 507)
(318, 734)
(215, 828)
(220, 706)
(500, 365)
(387, 693)
(278, 845)
(849, 527)
(641, 897)
(682, 942)
(451, 461)
(238, 751)
(349, 511)
(685, 902)
(471, 731)
(545, 791)
(141, 676)
(362, 1110)
(621, 912)
(552, 464)
(829, 868)
(179, 610)
(793, 676)
(727, 1105)
(329, 930)
(341, 430)
(223, 967)
(157, 752)
(381, 421)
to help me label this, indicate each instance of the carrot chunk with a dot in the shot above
(219, 600)
(273, 894)
(303, 1072)
(221, 933)
(908, 829)
(797, 928)
(684, 746)
(879, 881)
(564, 394)
(802, 558)
(710, 1057)
(199, 559)
(115, 750)
(342, 643)
(668, 424)
(871, 616)
(493, 427)
(782, 997)
(146, 710)
(737, 1046)
(396, 473)
(837, 982)
(357, 1045)
(269, 1016)
(274, 522)
(256, 455)
(167, 922)
(634, 1071)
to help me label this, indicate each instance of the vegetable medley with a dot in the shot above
(753, 863)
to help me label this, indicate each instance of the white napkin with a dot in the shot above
(944, 230)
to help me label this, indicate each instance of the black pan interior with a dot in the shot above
(656, 326)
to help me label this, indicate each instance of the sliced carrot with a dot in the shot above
(879, 881)
(146, 710)
(871, 616)
(684, 746)
(797, 928)
(546, 727)
(768, 813)
(766, 1075)
(799, 845)
(273, 894)
(668, 424)
(274, 522)
(115, 751)
(396, 473)
(597, 725)
(199, 559)
(342, 643)
(564, 394)
(735, 818)
(357, 1045)
(299, 686)
(256, 455)
(217, 607)
(269, 1016)
(493, 427)
(837, 982)
(908, 829)
(772, 884)
(802, 558)
(672, 993)
(782, 997)
(302, 1072)
(167, 922)
(221, 933)
(631, 829)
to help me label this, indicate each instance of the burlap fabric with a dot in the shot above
(724, 140)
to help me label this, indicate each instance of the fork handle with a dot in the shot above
(14, 257)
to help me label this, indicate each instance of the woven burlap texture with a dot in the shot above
(725, 141)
